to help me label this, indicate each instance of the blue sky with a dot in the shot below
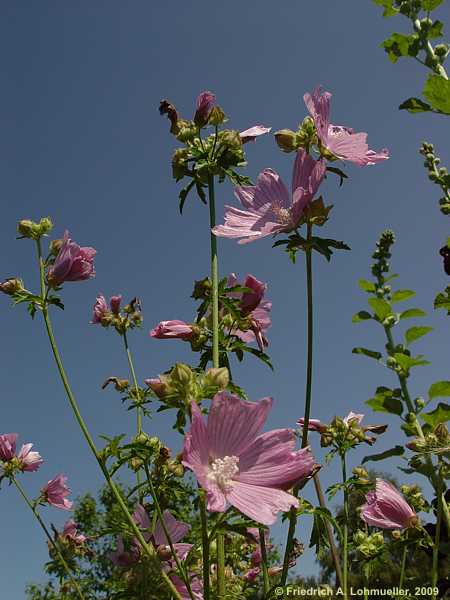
(82, 141)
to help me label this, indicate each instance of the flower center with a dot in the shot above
(283, 215)
(222, 471)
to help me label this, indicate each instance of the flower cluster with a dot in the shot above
(112, 315)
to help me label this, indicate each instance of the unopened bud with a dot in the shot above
(218, 377)
(286, 140)
(55, 246)
(396, 534)
(11, 286)
(120, 384)
(181, 373)
(164, 552)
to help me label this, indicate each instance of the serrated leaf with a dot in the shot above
(401, 45)
(441, 414)
(380, 307)
(184, 194)
(412, 313)
(415, 105)
(442, 300)
(366, 286)
(389, 9)
(369, 353)
(415, 333)
(395, 451)
(362, 315)
(437, 92)
(401, 295)
(385, 402)
(440, 389)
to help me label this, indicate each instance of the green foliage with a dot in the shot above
(415, 333)
(386, 400)
(415, 105)
(437, 92)
(439, 389)
(401, 45)
(441, 414)
(396, 451)
(442, 300)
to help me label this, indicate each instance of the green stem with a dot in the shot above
(214, 274)
(148, 550)
(160, 514)
(305, 431)
(262, 542)
(220, 541)
(205, 548)
(48, 535)
(403, 568)
(138, 408)
(438, 68)
(437, 538)
(345, 540)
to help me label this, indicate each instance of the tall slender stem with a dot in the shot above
(48, 535)
(262, 543)
(307, 413)
(205, 548)
(403, 569)
(215, 359)
(345, 536)
(437, 539)
(138, 397)
(160, 514)
(148, 550)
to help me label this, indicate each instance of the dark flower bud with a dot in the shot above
(166, 108)
(55, 246)
(286, 140)
(445, 253)
(11, 286)
(204, 105)
(202, 288)
(217, 116)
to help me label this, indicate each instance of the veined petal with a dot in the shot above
(234, 423)
(270, 189)
(196, 444)
(176, 529)
(318, 105)
(261, 504)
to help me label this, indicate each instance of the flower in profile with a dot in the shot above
(29, 460)
(8, 446)
(338, 141)
(203, 107)
(56, 492)
(250, 134)
(176, 530)
(269, 208)
(445, 253)
(237, 464)
(254, 308)
(72, 263)
(353, 418)
(70, 532)
(102, 313)
(175, 329)
(386, 508)
(313, 425)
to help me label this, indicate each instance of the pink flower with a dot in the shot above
(167, 330)
(8, 446)
(252, 574)
(102, 310)
(237, 464)
(122, 557)
(73, 263)
(255, 307)
(342, 142)
(29, 461)
(256, 557)
(353, 418)
(114, 303)
(56, 492)
(204, 105)
(250, 135)
(70, 532)
(176, 530)
(386, 508)
(313, 425)
(196, 587)
(270, 209)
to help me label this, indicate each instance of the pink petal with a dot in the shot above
(176, 529)
(196, 444)
(262, 504)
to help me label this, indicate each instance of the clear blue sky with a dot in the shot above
(82, 141)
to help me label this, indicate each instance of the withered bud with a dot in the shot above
(11, 286)
(164, 552)
(164, 453)
(216, 116)
(202, 288)
(55, 247)
(166, 108)
(120, 384)
(286, 140)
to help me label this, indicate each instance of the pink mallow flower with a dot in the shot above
(70, 532)
(341, 141)
(196, 587)
(204, 104)
(250, 134)
(235, 463)
(73, 263)
(254, 306)
(386, 508)
(102, 310)
(29, 460)
(175, 329)
(313, 425)
(8, 446)
(56, 492)
(269, 208)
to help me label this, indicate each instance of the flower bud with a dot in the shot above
(45, 225)
(164, 552)
(396, 534)
(27, 228)
(218, 377)
(419, 402)
(360, 472)
(204, 105)
(141, 438)
(217, 116)
(202, 288)
(11, 286)
(120, 384)
(55, 247)
(181, 373)
(286, 140)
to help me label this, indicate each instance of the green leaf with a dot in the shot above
(395, 451)
(362, 315)
(435, 31)
(384, 401)
(380, 307)
(401, 45)
(415, 333)
(412, 313)
(184, 194)
(415, 105)
(440, 389)
(441, 414)
(442, 300)
(366, 286)
(437, 92)
(401, 295)
(389, 9)
(324, 245)
(431, 4)
(370, 353)
(407, 362)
